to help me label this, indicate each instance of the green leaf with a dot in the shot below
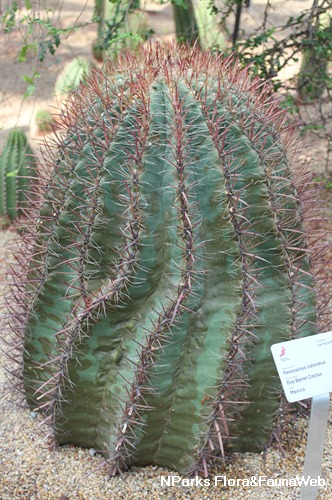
(8, 18)
(23, 53)
(32, 85)
(27, 79)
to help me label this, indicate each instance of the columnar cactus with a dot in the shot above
(72, 74)
(168, 254)
(17, 167)
(120, 24)
(195, 23)
(186, 25)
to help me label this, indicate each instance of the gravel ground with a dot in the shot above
(29, 470)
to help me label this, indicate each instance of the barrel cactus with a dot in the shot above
(17, 169)
(168, 254)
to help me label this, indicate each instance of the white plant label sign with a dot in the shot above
(305, 366)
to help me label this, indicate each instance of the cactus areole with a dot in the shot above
(167, 256)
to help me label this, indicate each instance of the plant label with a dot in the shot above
(305, 366)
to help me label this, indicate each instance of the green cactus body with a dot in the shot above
(74, 72)
(169, 256)
(17, 166)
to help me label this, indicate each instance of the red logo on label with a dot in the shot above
(282, 352)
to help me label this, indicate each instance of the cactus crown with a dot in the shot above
(167, 256)
(17, 166)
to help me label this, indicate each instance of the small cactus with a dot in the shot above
(17, 167)
(44, 121)
(168, 254)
